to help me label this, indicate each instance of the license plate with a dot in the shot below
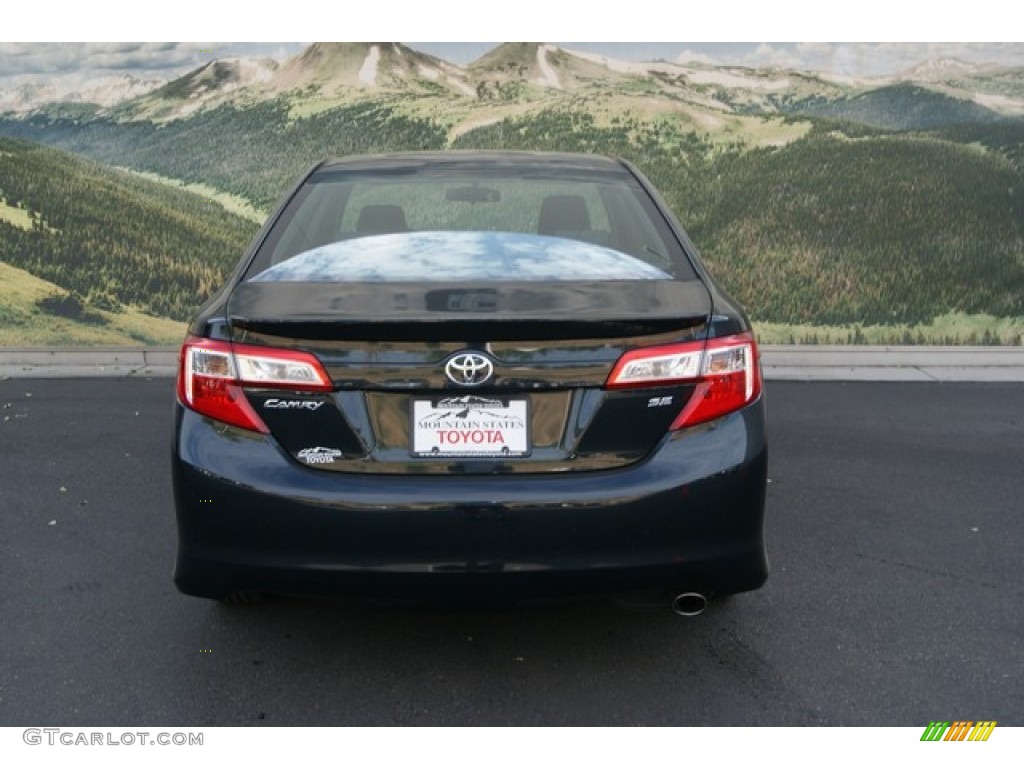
(470, 425)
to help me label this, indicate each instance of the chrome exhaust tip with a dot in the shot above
(689, 604)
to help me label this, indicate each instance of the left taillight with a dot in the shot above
(725, 370)
(212, 373)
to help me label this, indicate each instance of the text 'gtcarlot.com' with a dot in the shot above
(54, 736)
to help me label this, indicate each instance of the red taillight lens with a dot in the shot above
(726, 372)
(212, 373)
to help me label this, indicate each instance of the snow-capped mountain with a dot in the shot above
(213, 82)
(331, 68)
(939, 70)
(325, 75)
(25, 95)
(543, 65)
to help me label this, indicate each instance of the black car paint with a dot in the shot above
(675, 521)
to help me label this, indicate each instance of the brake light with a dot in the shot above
(212, 373)
(725, 370)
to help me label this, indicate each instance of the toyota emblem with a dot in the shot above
(468, 369)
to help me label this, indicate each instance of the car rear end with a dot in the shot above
(492, 376)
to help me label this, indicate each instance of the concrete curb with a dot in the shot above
(863, 363)
(112, 362)
(781, 362)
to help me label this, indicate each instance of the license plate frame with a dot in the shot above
(469, 427)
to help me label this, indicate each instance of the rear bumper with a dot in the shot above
(690, 516)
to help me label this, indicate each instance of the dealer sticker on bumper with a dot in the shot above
(470, 425)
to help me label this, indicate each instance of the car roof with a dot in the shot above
(454, 159)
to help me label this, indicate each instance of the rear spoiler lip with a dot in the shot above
(617, 301)
(468, 331)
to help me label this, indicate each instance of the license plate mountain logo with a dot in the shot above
(463, 407)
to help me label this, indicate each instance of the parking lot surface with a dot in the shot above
(896, 595)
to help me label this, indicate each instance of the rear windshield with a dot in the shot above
(459, 224)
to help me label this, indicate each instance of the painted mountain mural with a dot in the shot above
(885, 210)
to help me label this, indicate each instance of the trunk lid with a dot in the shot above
(391, 349)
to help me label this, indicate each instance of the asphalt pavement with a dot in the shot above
(896, 595)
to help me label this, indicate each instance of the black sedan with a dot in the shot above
(484, 375)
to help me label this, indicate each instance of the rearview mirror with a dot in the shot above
(474, 194)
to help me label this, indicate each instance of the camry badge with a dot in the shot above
(469, 369)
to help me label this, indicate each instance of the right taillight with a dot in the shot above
(725, 370)
(212, 373)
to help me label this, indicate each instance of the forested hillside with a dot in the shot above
(840, 227)
(829, 229)
(112, 238)
(902, 107)
(257, 152)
